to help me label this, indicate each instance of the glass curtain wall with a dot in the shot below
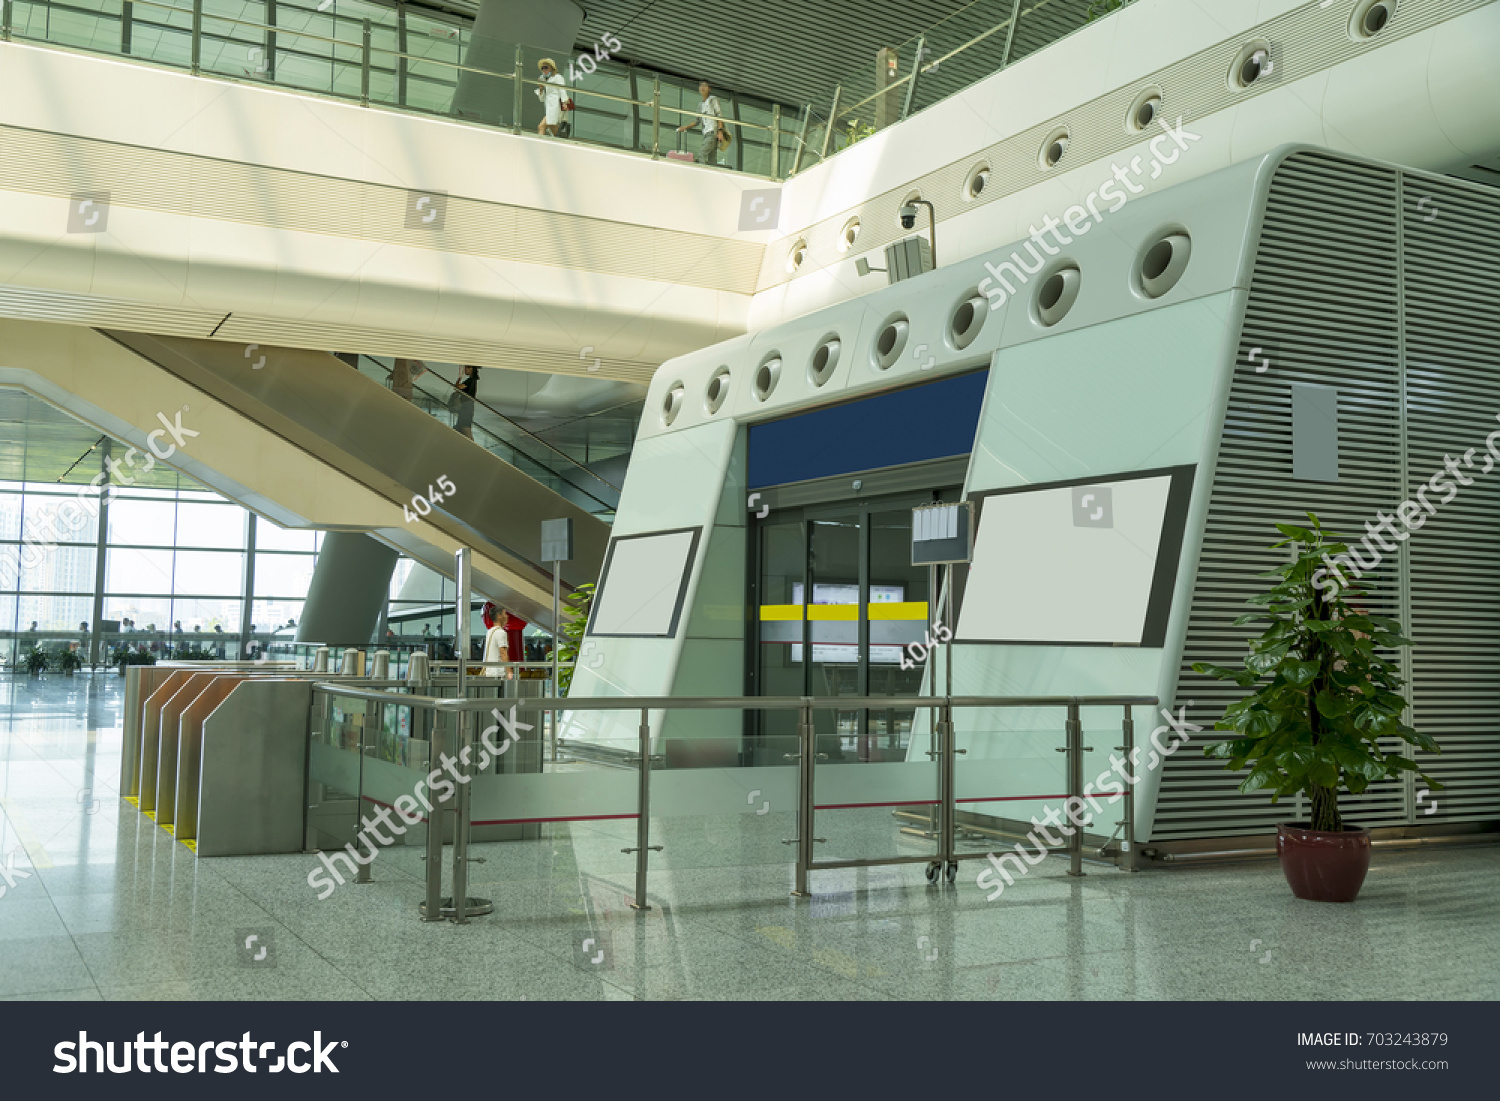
(173, 569)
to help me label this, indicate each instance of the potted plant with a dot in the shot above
(577, 606)
(1325, 690)
(124, 656)
(34, 661)
(70, 661)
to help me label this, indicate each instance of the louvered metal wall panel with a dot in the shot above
(1330, 301)
(1451, 235)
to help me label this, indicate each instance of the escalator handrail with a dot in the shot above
(568, 460)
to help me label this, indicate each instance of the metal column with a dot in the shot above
(1074, 750)
(1129, 750)
(833, 116)
(806, 740)
(643, 846)
(432, 905)
(519, 79)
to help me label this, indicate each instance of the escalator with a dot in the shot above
(302, 438)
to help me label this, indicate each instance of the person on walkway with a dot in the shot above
(709, 113)
(553, 94)
(405, 372)
(467, 392)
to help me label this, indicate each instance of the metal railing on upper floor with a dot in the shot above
(393, 57)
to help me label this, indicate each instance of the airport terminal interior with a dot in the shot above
(638, 500)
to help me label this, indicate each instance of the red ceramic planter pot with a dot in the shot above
(1322, 866)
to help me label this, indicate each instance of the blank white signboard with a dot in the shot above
(1041, 575)
(640, 590)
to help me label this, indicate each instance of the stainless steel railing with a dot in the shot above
(944, 751)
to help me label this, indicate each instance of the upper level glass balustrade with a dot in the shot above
(391, 57)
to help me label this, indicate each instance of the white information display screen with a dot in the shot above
(1072, 564)
(645, 579)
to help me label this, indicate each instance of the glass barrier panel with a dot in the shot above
(870, 807)
(333, 770)
(1013, 780)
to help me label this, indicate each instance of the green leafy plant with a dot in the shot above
(70, 661)
(1325, 688)
(125, 655)
(34, 660)
(576, 606)
(857, 131)
(1100, 8)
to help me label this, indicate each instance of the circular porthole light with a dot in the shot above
(967, 319)
(848, 235)
(1144, 111)
(890, 342)
(796, 255)
(1162, 263)
(1057, 293)
(672, 404)
(1250, 64)
(1370, 17)
(824, 359)
(1055, 147)
(979, 178)
(767, 375)
(718, 390)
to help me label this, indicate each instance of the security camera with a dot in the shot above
(908, 215)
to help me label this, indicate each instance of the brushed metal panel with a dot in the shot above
(140, 682)
(190, 752)
(254, 769)
(169, 738)
(151, 735)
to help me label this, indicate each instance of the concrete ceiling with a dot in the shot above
(41, 443)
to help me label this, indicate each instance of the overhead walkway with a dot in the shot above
(305, 440)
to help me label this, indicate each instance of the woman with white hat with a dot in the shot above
(552, 95)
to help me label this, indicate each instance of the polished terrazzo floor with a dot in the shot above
(110, 906)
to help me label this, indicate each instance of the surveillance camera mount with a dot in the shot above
(931, 224)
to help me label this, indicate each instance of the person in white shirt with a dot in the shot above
(710, 112)
(552, 96)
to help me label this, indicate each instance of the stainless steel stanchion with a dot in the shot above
(1074, 750)
(806, 757)
(464, 905)
(1129, 750)
(432, 906)
(643, 846)
(362, 872)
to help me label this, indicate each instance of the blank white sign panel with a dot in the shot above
(1043, 573)
(640, 591)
